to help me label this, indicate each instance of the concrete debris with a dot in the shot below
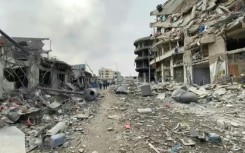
(12, 136)
(188, 142)
(122, 90)
(222, 116)
(81, 150)
(146, 90)
(220, 91)
(161, 96)
(144, 110)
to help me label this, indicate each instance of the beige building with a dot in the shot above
(198, 41)
(108, 74)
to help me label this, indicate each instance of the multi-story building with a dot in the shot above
(109, 74)
(143, 52)
(199, 41)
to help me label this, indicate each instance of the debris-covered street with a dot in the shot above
(122, 76)
(157, 123)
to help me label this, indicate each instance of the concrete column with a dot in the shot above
(187, 67)
(54, 78)
(185, 73)
(162, 71)
(33, 72)
(144, 76)
(172, 68)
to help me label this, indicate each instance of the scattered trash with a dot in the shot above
(59, 127)
(183, 96)
(154, 148)
(57, 140)
(215, 138)
(90, 94)
(175, 149)
(128, 126)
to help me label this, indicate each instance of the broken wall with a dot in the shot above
(217, 59)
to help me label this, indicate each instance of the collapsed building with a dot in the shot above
(25, 64)
(199, 41)
(142, 50)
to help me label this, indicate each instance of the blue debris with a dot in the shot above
(175, 149)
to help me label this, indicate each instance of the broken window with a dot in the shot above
(44, 78)
(61, 77)
(232, 44)
(200, 53)
(17, 75)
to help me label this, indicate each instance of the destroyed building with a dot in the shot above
(80, 76)
(199, 41)
(24, 65)
(142, 50)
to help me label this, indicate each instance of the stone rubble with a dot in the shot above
(212, 124)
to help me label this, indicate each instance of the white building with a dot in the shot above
(108, 74)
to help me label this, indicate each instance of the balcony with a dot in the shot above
(161, 24)
(143, 69)
(139, 49)
(167, 55)
(139, 58)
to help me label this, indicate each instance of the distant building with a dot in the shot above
(109, 74)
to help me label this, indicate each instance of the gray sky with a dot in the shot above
(100, 32)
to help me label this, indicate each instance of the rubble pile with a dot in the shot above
(47, 118)
(212, 123)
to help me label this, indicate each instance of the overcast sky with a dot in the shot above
(100, 32)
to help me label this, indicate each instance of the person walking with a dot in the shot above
(100, 84)
(104, 84)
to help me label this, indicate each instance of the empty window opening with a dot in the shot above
(232, 44)
(18, 76)
(44, 78)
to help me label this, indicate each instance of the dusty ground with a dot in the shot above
(105, 131)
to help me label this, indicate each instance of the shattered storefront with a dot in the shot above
(23, 65)
(212, 36)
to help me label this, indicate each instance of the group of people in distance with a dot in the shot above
(103, 84)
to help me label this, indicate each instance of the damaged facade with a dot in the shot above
(80, 76)
(24, 64)
(199, 41)
(142, 50)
